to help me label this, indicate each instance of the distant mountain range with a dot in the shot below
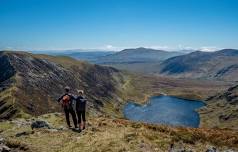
(137, 55)
(221, 64)
(86, 55)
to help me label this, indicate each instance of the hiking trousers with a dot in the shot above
(67, 111)
(81, 114)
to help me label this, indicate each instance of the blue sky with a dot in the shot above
(118, 24)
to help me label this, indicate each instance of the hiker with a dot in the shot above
(81, 109)
(67, 100)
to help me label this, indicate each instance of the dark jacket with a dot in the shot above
(81, 103)
(71, 98)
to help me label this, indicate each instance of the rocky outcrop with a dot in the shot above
(40, 124)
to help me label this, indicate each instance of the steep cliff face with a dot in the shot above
(7, 73)
(34, 82)
(6, 69)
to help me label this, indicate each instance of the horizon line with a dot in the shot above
(203, 49)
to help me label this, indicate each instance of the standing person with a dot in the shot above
(81, 109)
(67, 100)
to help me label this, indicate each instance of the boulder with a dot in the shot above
(40, 124)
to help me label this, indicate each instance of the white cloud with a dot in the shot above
(161, 47)
(119, 48)
(109, 47)
(158, 47)
(112, 48)
(202, 48)
(209, 48)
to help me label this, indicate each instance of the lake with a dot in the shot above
(165, 110)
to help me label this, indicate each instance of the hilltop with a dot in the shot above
(137, 55)
(140, 60)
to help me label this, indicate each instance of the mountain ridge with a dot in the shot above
(220, 65)
(36, 81)
(137, 55)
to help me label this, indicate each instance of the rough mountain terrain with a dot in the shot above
(32, 83)
(221, 110)
(113, 135)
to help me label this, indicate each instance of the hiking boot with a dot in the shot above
(77, 130)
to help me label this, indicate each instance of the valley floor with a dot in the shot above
(106, 134)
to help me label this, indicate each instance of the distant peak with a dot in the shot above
(141, 48)
(223, 50)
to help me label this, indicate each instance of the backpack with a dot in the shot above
(66, 100)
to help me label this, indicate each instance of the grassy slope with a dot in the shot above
(8, 101)
(144, 68)
(105, 134)
(211, 113)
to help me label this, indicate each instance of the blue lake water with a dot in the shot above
(165, 110)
